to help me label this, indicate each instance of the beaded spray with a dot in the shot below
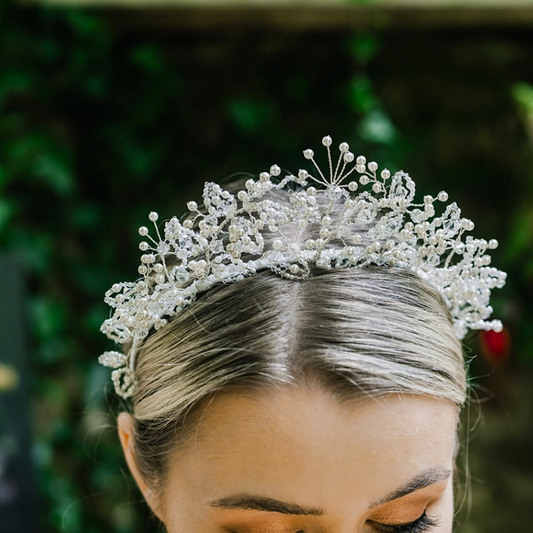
(378, 223)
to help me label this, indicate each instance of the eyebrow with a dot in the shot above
(262, 503)
(424, 479)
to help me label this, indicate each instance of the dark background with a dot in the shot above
(103, 120)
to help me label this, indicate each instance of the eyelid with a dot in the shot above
(421, 497)
(423, 521)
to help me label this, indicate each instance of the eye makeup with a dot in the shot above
(420, 525)
(249, 524)
(260, 522)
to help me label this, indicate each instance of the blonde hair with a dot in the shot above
(358, 332)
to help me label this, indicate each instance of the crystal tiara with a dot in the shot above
(377, 222)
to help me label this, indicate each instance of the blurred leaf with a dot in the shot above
(15, 82)
(376, 127)
(49, 317)
(250, 115)
(42, 452)
(84, 23)
(362, 95)
(148, 57)
(6, 211)
(34, 248)
(56, 172)
(364, 46)
(523, 94)
(3, 177)
(520, 235)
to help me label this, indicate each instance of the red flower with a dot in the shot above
(495, 345)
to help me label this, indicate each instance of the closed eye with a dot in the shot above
(420, 525)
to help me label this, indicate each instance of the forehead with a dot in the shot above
(297, 441)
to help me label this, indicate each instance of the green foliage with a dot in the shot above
(99, 127)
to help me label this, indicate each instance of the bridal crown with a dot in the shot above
(376, 223)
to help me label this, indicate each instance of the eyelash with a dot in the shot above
(420, 525)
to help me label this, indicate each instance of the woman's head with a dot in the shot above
(362, 333)
(370, 349)
(323, 370)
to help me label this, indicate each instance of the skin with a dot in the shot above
(337, 464)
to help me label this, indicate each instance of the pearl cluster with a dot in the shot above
(378, 223)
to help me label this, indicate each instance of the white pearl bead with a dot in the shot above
(308, 154)
(361, 160)
(326, 141)
(275, 170)
(467, 224)
(192, 206)
(372, 166)
(344, 147)
(143, 231)
(153, 216)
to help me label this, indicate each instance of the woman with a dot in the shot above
(293, 355)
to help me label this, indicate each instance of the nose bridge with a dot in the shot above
(346, 526)
(350, 519)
